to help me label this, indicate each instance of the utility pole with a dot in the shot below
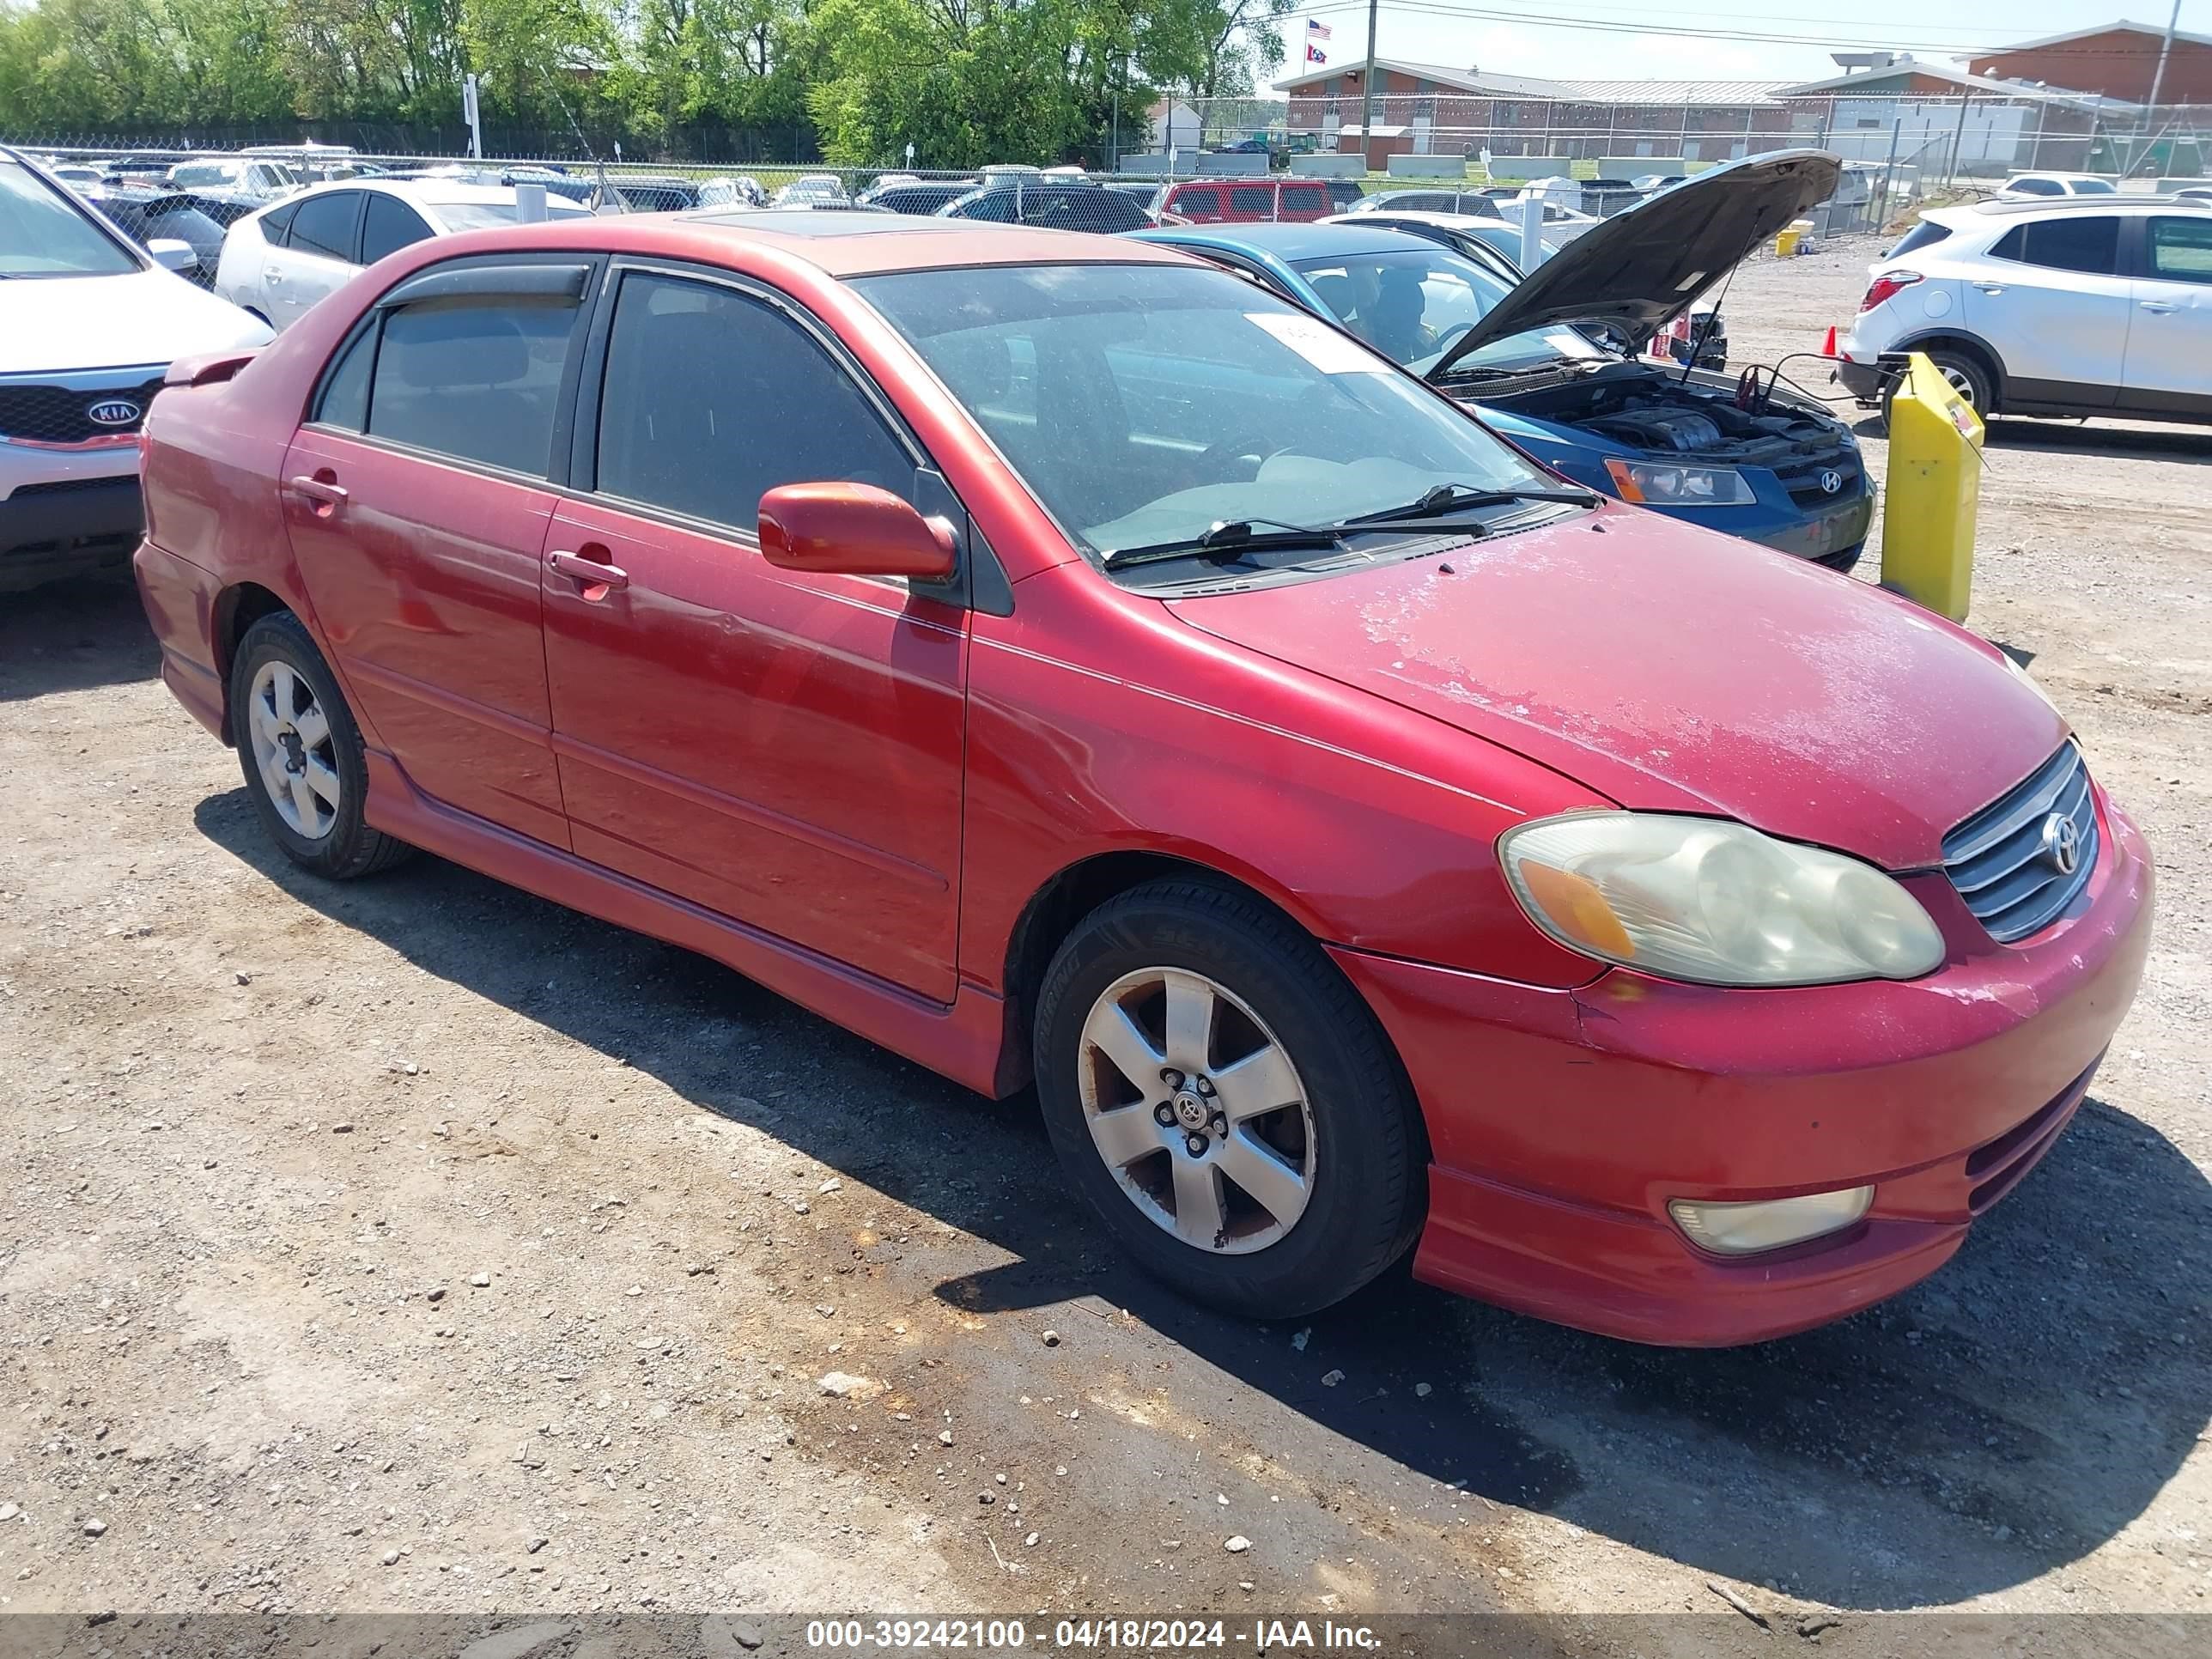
(1367, 91)
(2158, 76)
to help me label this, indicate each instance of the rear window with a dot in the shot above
(479, 379)
(325, 225)
(2035, 187)
(1251, 198)
(2091, 246)
(2094, 187)
(1926, 234)
(1305, 198)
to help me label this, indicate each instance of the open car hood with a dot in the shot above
(1641, 269)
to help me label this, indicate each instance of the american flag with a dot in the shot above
(1316, 30)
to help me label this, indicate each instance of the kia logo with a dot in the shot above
(2061, 844)
(1831, 481)
(114, 411)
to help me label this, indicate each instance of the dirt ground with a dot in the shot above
(416, 1245)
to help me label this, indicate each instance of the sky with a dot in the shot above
(1444, 32)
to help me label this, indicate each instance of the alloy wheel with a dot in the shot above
(291, 741)
(1197, 1109)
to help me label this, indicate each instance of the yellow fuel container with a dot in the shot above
(1933, 491)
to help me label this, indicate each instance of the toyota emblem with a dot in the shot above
(2061, 844)
(114, 411)
(1831, 481)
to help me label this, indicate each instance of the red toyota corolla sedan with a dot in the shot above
(1055, 658)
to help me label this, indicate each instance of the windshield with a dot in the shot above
(479, 215)
(1144, 405)
(1413, 308)
(207, 172)
(44, 233)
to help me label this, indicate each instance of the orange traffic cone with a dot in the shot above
(1828, 348)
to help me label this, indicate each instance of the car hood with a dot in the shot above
(1639, 270)
(54, 324)
(1675, 669)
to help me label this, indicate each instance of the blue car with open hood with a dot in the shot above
(1550, 362)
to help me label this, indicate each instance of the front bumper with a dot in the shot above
(83, 523)
(1562, 1122)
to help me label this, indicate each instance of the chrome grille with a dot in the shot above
(2003, 860)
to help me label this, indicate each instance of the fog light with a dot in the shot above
(1770, 1222)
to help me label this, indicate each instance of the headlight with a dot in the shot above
(1656, 484)
(1713, 902)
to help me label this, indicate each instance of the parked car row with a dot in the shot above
(1066, 660)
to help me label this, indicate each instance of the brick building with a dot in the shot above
(2116, 60)
(1424, 109)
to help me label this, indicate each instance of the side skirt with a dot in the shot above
(967, 1042)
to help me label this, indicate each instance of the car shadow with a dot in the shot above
(72, 636)
(2028, 434)
(2027, 1404)
(2113, 440)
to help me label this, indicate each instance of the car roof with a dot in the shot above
(1997, 207)
(839, 243)
(1293, 242)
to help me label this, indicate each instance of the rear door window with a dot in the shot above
(476, 378)
(1251, 201)
(2091, 246)
(329, 225)
(389, 226)
(1197, 203)
(276, 224)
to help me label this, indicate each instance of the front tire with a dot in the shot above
(304, 765)
(1226, 1102)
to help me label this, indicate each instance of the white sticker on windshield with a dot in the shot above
(1321, 345)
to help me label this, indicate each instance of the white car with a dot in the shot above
(278, 262)
(90, 324)
(2023, 186)
(227, 180)
(2079, 305)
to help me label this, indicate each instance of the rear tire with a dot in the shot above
(304, 765)
(1968, 375)
(1290, 1169)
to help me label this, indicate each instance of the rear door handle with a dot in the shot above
(589, 571)
(1991, 288)
(320, 489)
(2162, 306)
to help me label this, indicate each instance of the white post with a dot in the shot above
(530, 204)
(1531, 207)
(469, 115)
(909, 157)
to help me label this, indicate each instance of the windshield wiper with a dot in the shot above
(1446, 499)
(1227, 540)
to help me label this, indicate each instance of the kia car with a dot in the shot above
(1068, 663)
(90, 320)
(1552, 362)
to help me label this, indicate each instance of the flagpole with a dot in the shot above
(1367, 95)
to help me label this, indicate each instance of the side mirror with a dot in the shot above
(171, 254)
(853, 530)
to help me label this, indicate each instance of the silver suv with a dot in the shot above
(2082, 304)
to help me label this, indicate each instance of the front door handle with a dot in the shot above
(1991, 288)
(592, 572)
(2162, 306)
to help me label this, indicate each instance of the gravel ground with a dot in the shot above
(417, 1245)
